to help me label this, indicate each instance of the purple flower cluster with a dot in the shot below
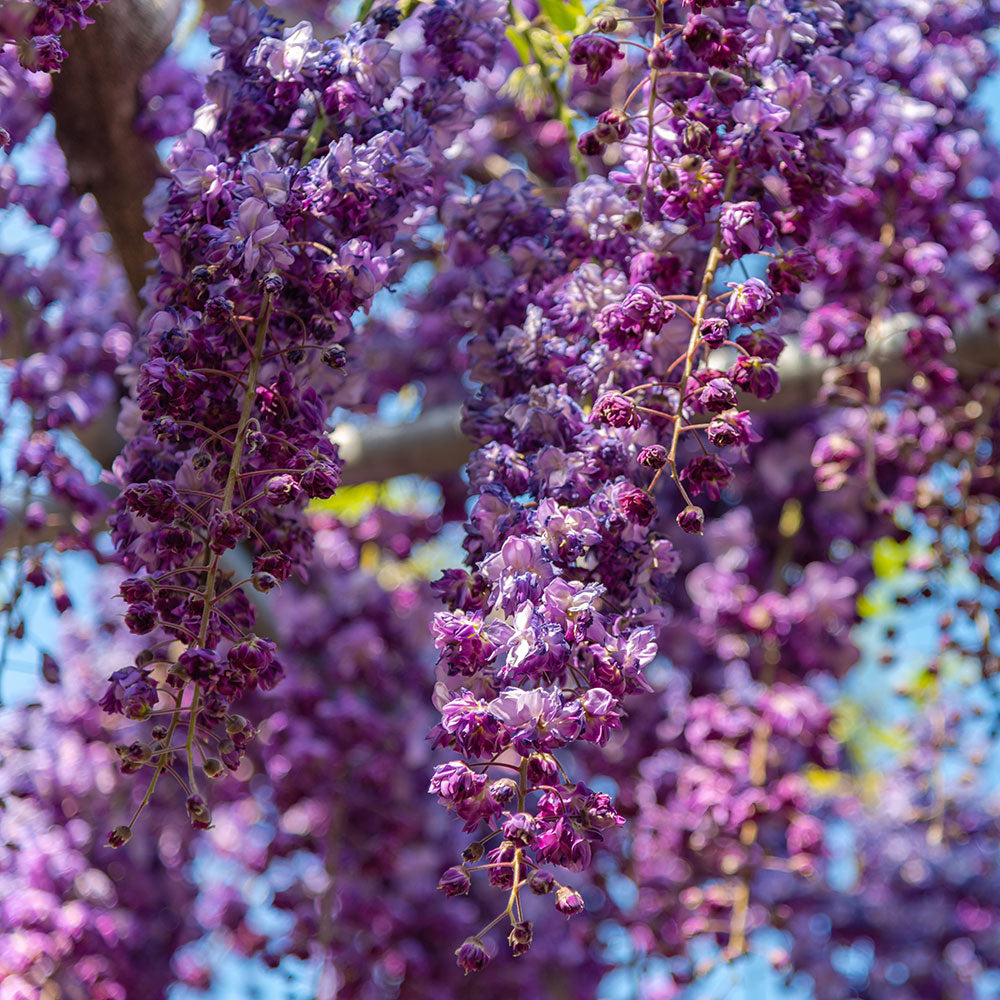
(35, 29)
(614, 328)
(267, 250)
(592, 362)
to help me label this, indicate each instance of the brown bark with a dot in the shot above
(95, 98)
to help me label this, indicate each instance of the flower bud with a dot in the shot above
(455, 882)
(272, 283)
(504, 790)
(568, 901)
(542, 769)
(541, 882)
(697, 136)
(519, 938)
(120, 836)
(631, 220)
(212, 767)
(715, 332)
(605, 23)
(520, 828)
(660, 56)
(198, 812)
(472, 956)
(473, 852)
(637, 506)
(263, 582)
(235, 724)
(335, 356)
(653, 457)
(691, 519)
(590, 143)
(669, 180)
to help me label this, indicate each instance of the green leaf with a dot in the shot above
(520, 45)
(312, 140)
(563, 13)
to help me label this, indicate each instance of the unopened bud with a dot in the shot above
(198, 812)
(335, 356)
(631, 220)
(568, 901)
(235, 724)
(519, 938)
(120, 836)
(212, 767)
(541, 882)
(473, 852)
(503, 790)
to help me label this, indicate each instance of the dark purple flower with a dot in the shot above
(643, 310)
(543, 769)
(519, 938)
(455, 882)
(717, 396)
(708, 40)
(732, 429)
(155, 501)
(282, 489)
(751, 301)
(612, 126)
(141, 618)
(472, 955)
(463, 641)
(707, 473)
(569, 901)
(252, 654)
(130, 694)
(595, 52)
(201, 665)
(835, 329)
(616, 410)
(637, 505)
(541, 882)
(198, 812)
(467, 724)
(755, 376)
(788, 272)
(225, 530)
(691, 519)
(520, 829)
(715, 331)
(744, 227)
(320, 480)
(653, 457)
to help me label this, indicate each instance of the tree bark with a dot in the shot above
(95, 98)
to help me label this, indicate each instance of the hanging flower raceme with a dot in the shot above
(594, 368)
(309, 161)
